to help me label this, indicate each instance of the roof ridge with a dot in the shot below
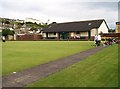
(75, 26)
(82, 21)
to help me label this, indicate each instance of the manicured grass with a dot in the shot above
(19, 55)
(98, 70)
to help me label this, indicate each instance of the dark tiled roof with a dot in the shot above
(74, 26)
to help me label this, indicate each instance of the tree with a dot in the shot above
(6, 32)
(33, 29)
(19, 25)
(7, 22)
(111, 30)
(101, 33)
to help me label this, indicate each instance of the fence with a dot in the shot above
(28, 37)
(111, 35)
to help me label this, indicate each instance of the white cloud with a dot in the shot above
(61, 10)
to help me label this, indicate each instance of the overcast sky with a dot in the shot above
(61, 10)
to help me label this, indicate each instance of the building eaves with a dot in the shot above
(74, 26)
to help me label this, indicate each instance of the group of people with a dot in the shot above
(97, 39)
(106, 42)
(110, 41)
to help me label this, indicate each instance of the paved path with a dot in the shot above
(31, 75)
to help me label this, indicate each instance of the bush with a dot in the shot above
(6, 32)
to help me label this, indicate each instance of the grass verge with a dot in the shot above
(98, 70)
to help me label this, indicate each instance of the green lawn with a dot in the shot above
(98, 70)
(19, 55)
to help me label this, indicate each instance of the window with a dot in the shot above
(54, 33)
(77, 32)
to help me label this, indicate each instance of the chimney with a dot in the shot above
(117, 27)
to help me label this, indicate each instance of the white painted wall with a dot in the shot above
(15, 37)
(10, 37)
(57, 34)
(94, 31)
(72, 34)
(44, 34)
(103, 28)
(52, 35)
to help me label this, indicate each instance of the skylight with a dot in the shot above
(89, 23)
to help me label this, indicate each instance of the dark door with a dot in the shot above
(64, 35)
(89, 34)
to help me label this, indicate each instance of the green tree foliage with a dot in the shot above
(30, 24)
(33, 29)
(2, 20)
(5, 21)
(111, 30)
(34, 25)
(19, 25)
(6, 32)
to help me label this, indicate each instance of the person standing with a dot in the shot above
(3, 38)
(96, 40)
(99, 39)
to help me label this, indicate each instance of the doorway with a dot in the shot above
(64, 35)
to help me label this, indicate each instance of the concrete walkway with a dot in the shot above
(25, 77)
